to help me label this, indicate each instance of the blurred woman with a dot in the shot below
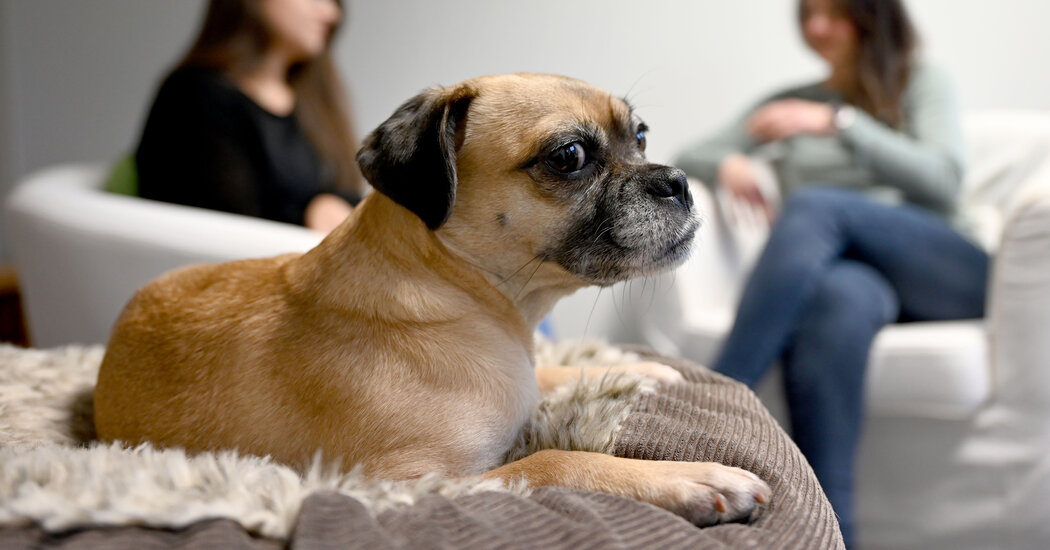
(253, 120)
(870, 162)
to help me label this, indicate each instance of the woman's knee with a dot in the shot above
(811, 215)
(819, 200)
(830, 348)
(853, 295)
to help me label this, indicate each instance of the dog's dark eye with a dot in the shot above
(640, 137)
(567, 158)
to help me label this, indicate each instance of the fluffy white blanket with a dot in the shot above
(53, 474)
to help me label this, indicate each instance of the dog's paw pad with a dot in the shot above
(729, 500)
(707, 493)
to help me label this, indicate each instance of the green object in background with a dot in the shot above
(124, 177)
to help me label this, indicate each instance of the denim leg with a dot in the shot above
(935, 272)
(824, 375)
(804, 241)
(833, 247)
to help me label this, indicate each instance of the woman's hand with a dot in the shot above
(326, 211)
(784, 118)
(737, 176)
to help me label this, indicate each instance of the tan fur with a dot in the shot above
(390, 345)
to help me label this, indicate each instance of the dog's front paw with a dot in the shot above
(706, 493)
(550, 377)
(655, 371)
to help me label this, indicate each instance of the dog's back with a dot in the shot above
(169, 330)
(267, 357)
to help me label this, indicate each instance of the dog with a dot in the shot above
(403, 342)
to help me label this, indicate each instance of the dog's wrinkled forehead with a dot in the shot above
(519, 111)
(546, 93)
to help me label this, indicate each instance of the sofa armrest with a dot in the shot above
(1018, 309)
(82, 252)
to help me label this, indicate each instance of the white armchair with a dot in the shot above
(956, 446)
(82, 252)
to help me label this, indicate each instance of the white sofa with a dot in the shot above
(956, 449)
(82, 252)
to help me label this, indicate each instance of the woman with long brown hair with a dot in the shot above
(870, 162)
(253, 120)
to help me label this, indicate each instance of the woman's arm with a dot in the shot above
(326, 211)
(926, 161)
(704, 158)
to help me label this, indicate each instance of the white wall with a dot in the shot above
(7, 141)
(687, 64)
(76, 77)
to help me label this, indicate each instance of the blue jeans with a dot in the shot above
(836, 269)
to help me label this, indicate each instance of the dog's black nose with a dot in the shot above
(672, 186)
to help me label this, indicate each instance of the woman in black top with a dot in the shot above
(253, 120)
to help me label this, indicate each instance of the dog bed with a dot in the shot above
(59, 488)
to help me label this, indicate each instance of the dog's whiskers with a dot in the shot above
(602, 231)
(529, 280)
(594, 306)
(537, 258)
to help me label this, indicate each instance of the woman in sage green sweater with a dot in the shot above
(870, 163)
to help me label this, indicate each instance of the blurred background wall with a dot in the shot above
(76, 78)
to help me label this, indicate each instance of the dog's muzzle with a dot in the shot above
(669, 183)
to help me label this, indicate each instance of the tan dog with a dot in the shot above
(403, 342)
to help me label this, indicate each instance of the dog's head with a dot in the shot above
(533, 177)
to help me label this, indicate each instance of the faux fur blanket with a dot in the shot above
(59, 486)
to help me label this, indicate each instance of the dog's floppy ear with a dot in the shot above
(411, 157)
